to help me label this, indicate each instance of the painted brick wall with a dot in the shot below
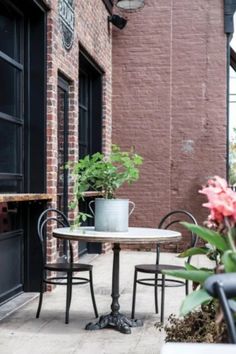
(169, 101)
(91, 31)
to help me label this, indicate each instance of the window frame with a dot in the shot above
(17, 121)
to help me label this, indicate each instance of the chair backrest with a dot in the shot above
(223, 287)
(175, 217)
(44, 219)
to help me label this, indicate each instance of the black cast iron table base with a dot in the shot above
(119, 322)
(115, 319)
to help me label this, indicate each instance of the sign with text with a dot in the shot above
(67, 21)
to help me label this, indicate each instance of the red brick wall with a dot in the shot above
(91, 31)
(169, 100)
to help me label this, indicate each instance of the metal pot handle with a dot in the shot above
(90, 208)
(132, 207)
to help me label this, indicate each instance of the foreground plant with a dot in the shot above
(196, 327)
(220, 235)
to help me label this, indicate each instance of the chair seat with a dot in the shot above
(64, 267)
(155, 268)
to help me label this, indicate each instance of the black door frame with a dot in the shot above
(92, 75)
(64, 85)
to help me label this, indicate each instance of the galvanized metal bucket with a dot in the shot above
(111, 215)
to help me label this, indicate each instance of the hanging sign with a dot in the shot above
(67, 21)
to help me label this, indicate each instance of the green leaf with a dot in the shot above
(193, 251)
(229, 261)
(83, 217)
(196, 298)
(73, 205)
(189, 266)
(214, 238)
(198, 275)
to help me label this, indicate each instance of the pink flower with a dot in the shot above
(221, 200)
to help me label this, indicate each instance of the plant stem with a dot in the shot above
(230, 236)
(231, 240)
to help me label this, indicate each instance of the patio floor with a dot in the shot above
(22, 333)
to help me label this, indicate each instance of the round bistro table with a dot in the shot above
(134, 235)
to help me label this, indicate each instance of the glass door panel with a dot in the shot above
(9, 147)
(10, 98)
(10, 27)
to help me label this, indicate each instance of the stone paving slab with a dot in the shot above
(22, 333)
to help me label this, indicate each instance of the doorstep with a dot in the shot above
(16, 303)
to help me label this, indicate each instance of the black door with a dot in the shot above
(62, 138)
(11, 138)
(21, 133)
(90, 124)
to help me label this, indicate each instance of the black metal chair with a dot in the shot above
(223, 287)
(156, 269)
(66, 270)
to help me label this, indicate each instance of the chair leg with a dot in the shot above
(70, 293)
(92, 293)
(186, 287)
(68, 296)
(155, 292)
(134, 294)
(162, 297)
(40, 298)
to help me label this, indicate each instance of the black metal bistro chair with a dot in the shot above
(223, 287)
(66, 270)
(158, 279)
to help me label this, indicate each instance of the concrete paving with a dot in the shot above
(22, 333)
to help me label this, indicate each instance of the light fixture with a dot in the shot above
(130, 5)
(117, 21)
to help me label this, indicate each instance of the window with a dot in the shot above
(90, 107)
(11, 99)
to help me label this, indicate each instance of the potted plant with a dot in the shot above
(105, 174)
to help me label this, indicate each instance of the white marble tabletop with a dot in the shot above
(133, 235)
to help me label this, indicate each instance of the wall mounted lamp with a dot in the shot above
(130, 5)
(117, 21)
(126, 5)
(229, 10)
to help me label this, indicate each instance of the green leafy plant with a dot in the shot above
(104, 174)
(219, 235)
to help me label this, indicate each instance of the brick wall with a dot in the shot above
(91, 32)
(169, 100)
(168, 92)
